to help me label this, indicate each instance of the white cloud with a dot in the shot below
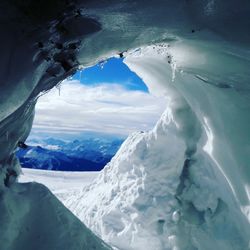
(107, 108)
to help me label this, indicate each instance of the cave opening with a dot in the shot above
(183, 185)
(81, 123)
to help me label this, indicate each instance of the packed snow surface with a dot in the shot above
(58, 180)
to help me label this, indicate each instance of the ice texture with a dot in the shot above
(167, 188)
(32, 218)
(184, 185)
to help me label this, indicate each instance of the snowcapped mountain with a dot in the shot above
(90, 154)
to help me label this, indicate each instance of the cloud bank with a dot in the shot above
(105, 108)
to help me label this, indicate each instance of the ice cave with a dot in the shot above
(183, 185)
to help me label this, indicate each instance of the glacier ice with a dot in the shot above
(32, 218)
(167, 185)
(184, 185)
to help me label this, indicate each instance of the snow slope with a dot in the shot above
(64, 185)
(58, 180)
(41, 222)
(166, 189)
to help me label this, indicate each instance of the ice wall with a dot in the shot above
(178, 186)
(207, 57)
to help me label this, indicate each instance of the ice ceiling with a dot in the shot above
(196, 52)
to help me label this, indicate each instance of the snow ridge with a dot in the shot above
(164, 189)
(131, 203)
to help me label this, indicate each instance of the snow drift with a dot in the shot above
(166, 189)
(184, 185)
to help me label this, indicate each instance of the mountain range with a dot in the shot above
(88, 154)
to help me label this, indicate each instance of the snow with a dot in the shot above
(167, 185)
(64, 185)
(58, 181)
(184, 185)
(129, 190)
(42, 222)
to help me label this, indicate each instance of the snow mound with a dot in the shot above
(153, 196)
(167, 188)
(32, 218)
(141, 178)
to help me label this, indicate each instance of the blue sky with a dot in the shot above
(111, 100)
(114, 71)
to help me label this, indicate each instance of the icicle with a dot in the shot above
(58, 86)
(59, 90)
(102, 63)
(80, 69)
(81, 75)
(209, 8)
(173, 67)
